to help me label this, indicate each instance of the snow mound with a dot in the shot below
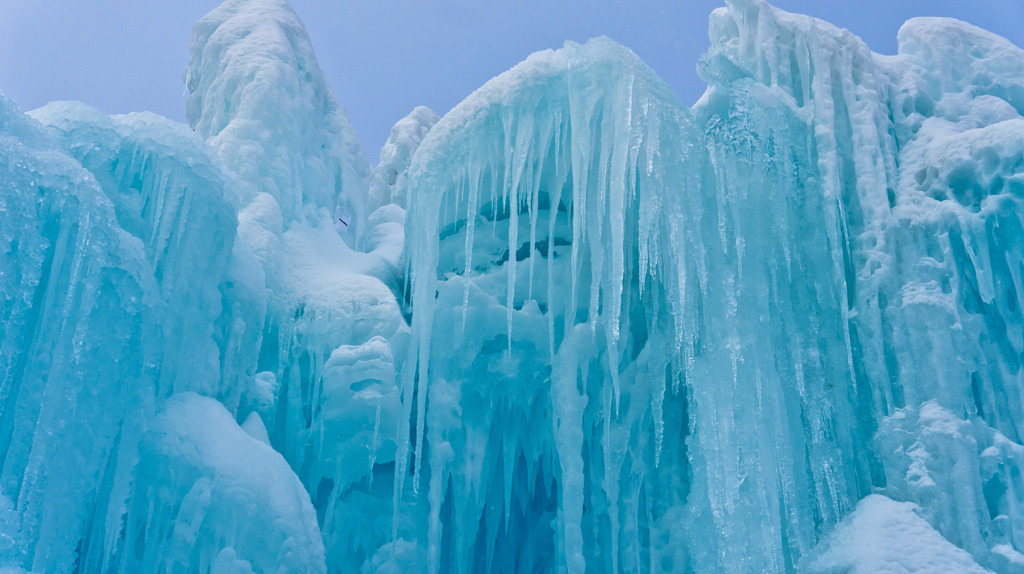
(885, 536)
(207, 490)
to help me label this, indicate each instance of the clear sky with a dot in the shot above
(384, 57)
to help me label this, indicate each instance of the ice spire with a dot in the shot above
(390, 177)
(257, 95)
(332, 326)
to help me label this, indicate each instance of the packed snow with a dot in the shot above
(572, 325)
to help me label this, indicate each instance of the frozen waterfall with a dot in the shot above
(572, 325)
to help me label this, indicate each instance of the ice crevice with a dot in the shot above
(572, 325)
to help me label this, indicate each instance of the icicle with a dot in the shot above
(373, 447)
(554, 200)
(610, 480)
(435, 528)
(496, 161)
(657, 378)
(508, 455)
(579, 129)
(514, 168)
(474, 177)
(569, 405)
(421, 403)
(683, 336)
(416, 381)
(596, 217)
(544, 147)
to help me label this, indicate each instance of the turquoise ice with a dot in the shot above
(572, 325)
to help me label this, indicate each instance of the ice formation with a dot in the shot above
(572, 325)
(390, 178)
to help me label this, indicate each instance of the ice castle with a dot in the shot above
(572, 326)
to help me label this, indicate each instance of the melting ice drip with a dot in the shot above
(614, 334)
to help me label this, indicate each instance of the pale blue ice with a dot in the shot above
(570, 326)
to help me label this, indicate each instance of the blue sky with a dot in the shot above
(384, 57)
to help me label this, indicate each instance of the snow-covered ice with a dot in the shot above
(572, 325)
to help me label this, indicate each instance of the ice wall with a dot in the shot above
(77, 339)
(928, 230)
(126, 287)
(775, 284)
(611, 334)
(324, 382)
(170, 191)
(526, 246)
(132, 289)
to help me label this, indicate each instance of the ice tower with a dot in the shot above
(572, 325)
